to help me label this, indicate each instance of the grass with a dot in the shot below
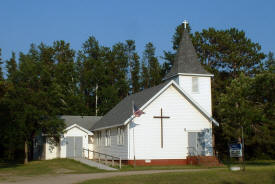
(256, 172)
(170, 167)
(253, 174)
(55, 166)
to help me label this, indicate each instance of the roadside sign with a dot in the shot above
(235, 150)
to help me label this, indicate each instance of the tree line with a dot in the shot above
(53, 80)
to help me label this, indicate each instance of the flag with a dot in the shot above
(137, 112)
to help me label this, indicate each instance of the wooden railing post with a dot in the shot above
(113, 161)
(119, 163)
(106, 160)
(98, 157)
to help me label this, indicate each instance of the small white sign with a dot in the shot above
(235, 150)
(147, 161)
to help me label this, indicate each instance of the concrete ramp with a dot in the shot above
(94, 164)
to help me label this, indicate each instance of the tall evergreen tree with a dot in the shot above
(120, 62)
(11, 66)
(92, 72)
(135, 74)
(145, 77)
(153, 64)
(67, 77)
(35, 100)
(1, 72)
(134, 66)
(269, 64)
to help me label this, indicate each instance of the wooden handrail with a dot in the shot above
(101, 153)
(106, 155)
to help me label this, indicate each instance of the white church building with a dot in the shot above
(176, 123)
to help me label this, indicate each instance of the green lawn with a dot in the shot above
(252, 175)
(56, 166)
(171, 167)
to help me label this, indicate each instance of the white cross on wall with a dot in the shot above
(185, 23)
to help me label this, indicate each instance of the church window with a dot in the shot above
(120, 135)
(195, 84)
(90, 139)
(98, 138)
(108, 137)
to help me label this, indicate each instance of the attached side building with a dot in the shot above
(77, 136)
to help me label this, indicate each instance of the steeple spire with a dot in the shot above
(186, 60)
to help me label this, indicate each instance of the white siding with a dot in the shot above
(90, 146)
(51, 151)
(75, 131)
(184, 117)
(114, 149)
(203, 97)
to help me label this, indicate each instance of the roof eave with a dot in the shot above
(107, 127)
(189, 74)
(80, 127)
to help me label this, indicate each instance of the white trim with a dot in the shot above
(193, 74)
(190, 74)
(112, 126)
(211, 119)
(149, 101)
(80, 127)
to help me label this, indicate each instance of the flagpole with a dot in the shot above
(134, 150)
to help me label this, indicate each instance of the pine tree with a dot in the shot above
(154, 69)
(120, 62)
(65, 72)
(1, 72)
(270, 63)
(134, 66)
(11, 66)
(36, 99)
(135, 74)
(92, 71)
(145, 78)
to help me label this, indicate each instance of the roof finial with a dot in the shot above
(185, 22)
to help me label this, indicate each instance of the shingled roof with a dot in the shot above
(86, 122)
(123, 110)
(186, 59)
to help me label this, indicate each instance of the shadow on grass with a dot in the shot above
(228, 182)
(4, 165)
(260, 163)
(251, 163)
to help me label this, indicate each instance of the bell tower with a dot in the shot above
(189, 74)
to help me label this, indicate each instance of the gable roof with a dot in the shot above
(123, 112)
(79, 127)
(186, 59)
(86, 122)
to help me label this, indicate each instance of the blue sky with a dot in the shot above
(36, 21)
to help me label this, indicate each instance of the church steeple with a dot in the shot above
(186, 59)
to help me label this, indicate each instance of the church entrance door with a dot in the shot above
(196, 143)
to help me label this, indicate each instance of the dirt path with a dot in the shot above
(76, 178)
